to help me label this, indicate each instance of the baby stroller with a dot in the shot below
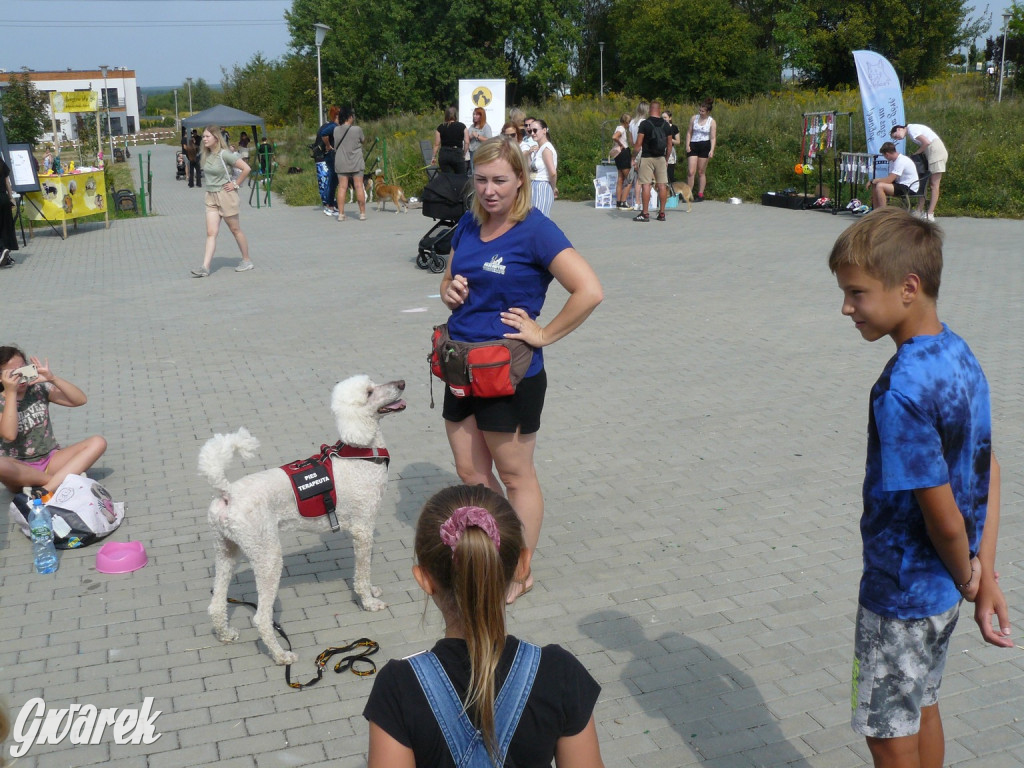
(180, 164)
(446, 198)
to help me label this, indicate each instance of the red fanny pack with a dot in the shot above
(478, 369)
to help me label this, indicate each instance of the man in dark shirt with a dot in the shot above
(651, 152)
(191, 150)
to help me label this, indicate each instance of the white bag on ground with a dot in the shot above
(82, 510)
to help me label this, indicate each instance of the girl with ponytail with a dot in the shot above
(518, 704)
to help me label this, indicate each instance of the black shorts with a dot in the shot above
(624, 159)
(520, 411)
(699, 148)
(902, 189)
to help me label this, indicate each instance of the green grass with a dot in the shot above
(758, 144)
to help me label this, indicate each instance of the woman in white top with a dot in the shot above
(935, 153)
(623, 157)
(643, 110)
(544, 167)
(701, 135)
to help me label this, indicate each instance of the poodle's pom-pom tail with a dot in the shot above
(217, 454)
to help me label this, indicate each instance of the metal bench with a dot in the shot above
(124, 200)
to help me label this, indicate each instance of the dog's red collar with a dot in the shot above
(344, 451)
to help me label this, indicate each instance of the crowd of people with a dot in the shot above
(644, 151)
(456, 145)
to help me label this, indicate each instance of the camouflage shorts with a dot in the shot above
(897, 670)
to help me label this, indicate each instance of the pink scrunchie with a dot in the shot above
(463, 517)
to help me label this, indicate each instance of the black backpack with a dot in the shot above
(318, 148)
(658, 142)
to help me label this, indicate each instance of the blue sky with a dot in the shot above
(165, 41)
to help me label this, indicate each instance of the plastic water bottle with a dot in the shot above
(41, 525)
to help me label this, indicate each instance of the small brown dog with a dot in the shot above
(384, 192)
(683, 192)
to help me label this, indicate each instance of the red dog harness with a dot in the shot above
(313, 478)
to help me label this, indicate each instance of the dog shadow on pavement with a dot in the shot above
(715, 708)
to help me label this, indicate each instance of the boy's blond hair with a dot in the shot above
(890, 244)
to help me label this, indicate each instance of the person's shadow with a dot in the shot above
(419, 481)
(715, 708)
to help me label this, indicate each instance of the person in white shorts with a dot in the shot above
(934, 152)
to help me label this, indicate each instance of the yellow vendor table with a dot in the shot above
(70, 196)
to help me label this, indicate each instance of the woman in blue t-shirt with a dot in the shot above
(504, 255)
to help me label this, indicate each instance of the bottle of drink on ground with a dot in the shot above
(41, 525)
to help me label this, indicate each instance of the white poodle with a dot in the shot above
(249, 513)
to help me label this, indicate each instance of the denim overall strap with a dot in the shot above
(511, 701)
(455, 724)
(464, 742)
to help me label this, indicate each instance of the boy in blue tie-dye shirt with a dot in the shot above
(931, 489)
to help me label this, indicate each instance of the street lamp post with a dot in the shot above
(189, 79)
(321, 33)
(106, 104)
(601, 45)
(177, 122)
(1002, 64)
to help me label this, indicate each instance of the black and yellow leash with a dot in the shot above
(349, 662)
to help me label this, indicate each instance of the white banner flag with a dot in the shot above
(881, 97)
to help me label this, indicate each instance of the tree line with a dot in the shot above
(408, 55)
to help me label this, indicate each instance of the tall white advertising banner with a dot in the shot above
(882, 100)
(489, 95)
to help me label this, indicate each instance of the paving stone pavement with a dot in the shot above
(701, 458)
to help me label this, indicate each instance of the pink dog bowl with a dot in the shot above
(121, 557)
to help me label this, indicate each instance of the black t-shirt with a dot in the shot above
(673, 131)
(560, 704)
(647, 129)
(452, 134)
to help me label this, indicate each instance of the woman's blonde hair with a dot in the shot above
(500, 149)
(472, 578)
(625, 118)
(217, 133)
(643, 110)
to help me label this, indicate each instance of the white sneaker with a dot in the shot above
(930, 216)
